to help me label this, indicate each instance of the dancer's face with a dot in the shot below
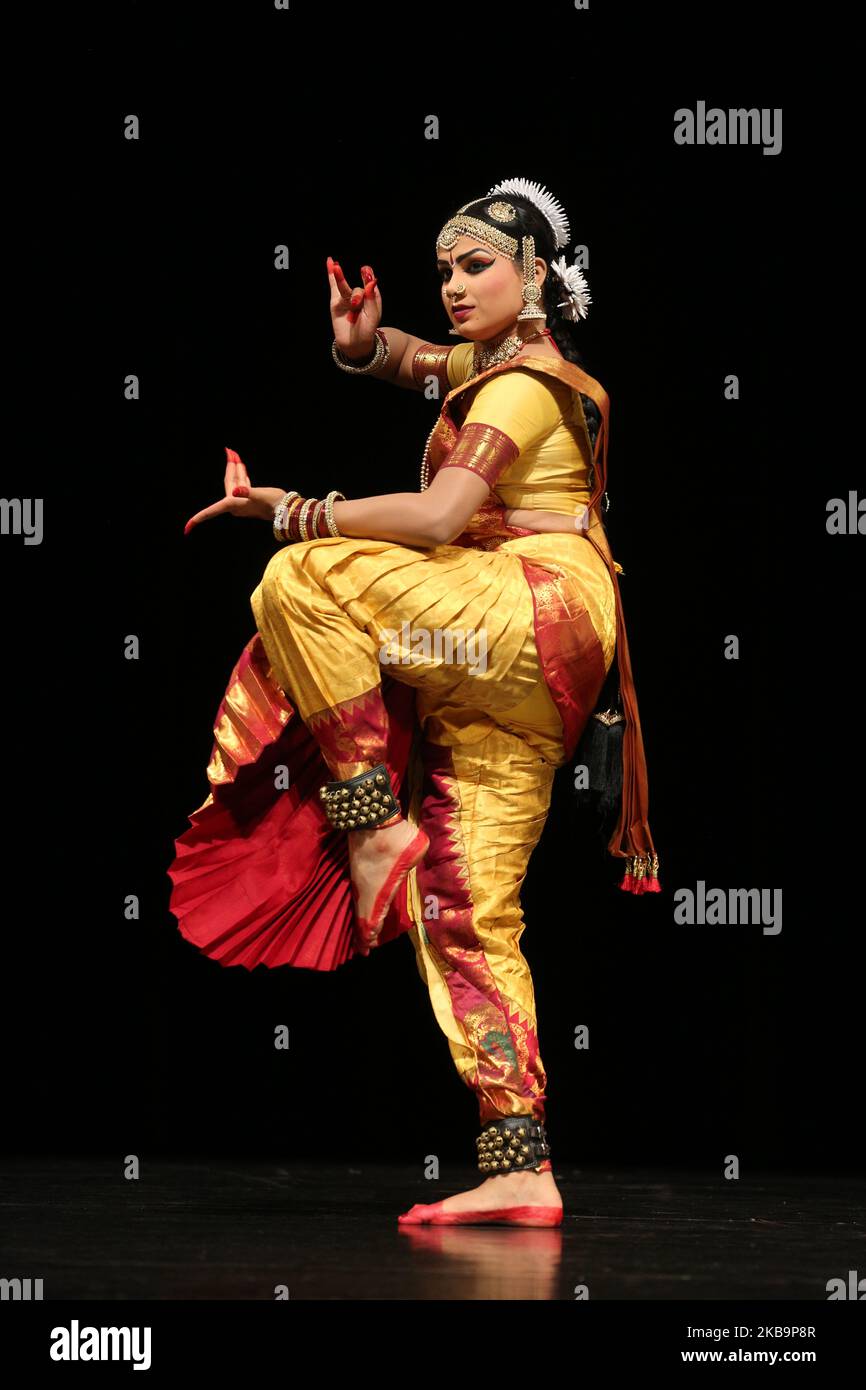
(492, 286)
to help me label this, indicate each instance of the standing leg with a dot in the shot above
(484, 807)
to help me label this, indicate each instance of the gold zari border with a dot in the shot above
(484, 450)
(431, 360)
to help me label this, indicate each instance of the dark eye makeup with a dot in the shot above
(444, 272)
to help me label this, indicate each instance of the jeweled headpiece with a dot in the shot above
(549, 207)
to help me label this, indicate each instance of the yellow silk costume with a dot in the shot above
(493, 732)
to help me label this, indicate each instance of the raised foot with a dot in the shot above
(507, 1199)
(379, 861)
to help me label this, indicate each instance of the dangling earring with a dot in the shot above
(455, 332)
(531, 291)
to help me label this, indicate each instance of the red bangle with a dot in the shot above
(319, 521)
(290, 529)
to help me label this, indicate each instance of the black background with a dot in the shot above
(260, 128)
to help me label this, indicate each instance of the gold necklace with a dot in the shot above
(484, 358)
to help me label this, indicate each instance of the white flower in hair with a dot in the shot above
(547, 205)
(577, 304)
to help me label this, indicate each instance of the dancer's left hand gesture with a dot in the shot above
(236, 473)
(241, 498)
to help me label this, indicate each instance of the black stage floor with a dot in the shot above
(229, 1229)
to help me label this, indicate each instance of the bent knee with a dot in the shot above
(281, 586)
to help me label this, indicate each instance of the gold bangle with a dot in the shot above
(291, 510)
(329, 511)
(381, 355)
(279, 520)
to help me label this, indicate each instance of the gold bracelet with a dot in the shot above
(329, 511)
(280, 510)
(302, 517)
(381, 354)
(290, 513)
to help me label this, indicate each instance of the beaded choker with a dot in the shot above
(483, 357)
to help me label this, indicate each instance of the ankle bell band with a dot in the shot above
(360, 802)
(515, 1141)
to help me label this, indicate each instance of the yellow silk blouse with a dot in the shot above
(530, 441)
(553, 469)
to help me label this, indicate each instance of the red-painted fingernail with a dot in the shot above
(240, 491)
(371, 289)
(330, 264)
(187, 528)
(366, 274)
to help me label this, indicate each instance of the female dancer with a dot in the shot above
(439, 654)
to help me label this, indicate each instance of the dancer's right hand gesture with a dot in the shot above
(355, 313)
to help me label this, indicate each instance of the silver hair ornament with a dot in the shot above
(577, 304)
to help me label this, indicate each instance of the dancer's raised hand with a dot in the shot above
(355, 312)
(241, 498)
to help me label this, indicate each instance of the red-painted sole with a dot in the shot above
(412, 854)
(433, 1215)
